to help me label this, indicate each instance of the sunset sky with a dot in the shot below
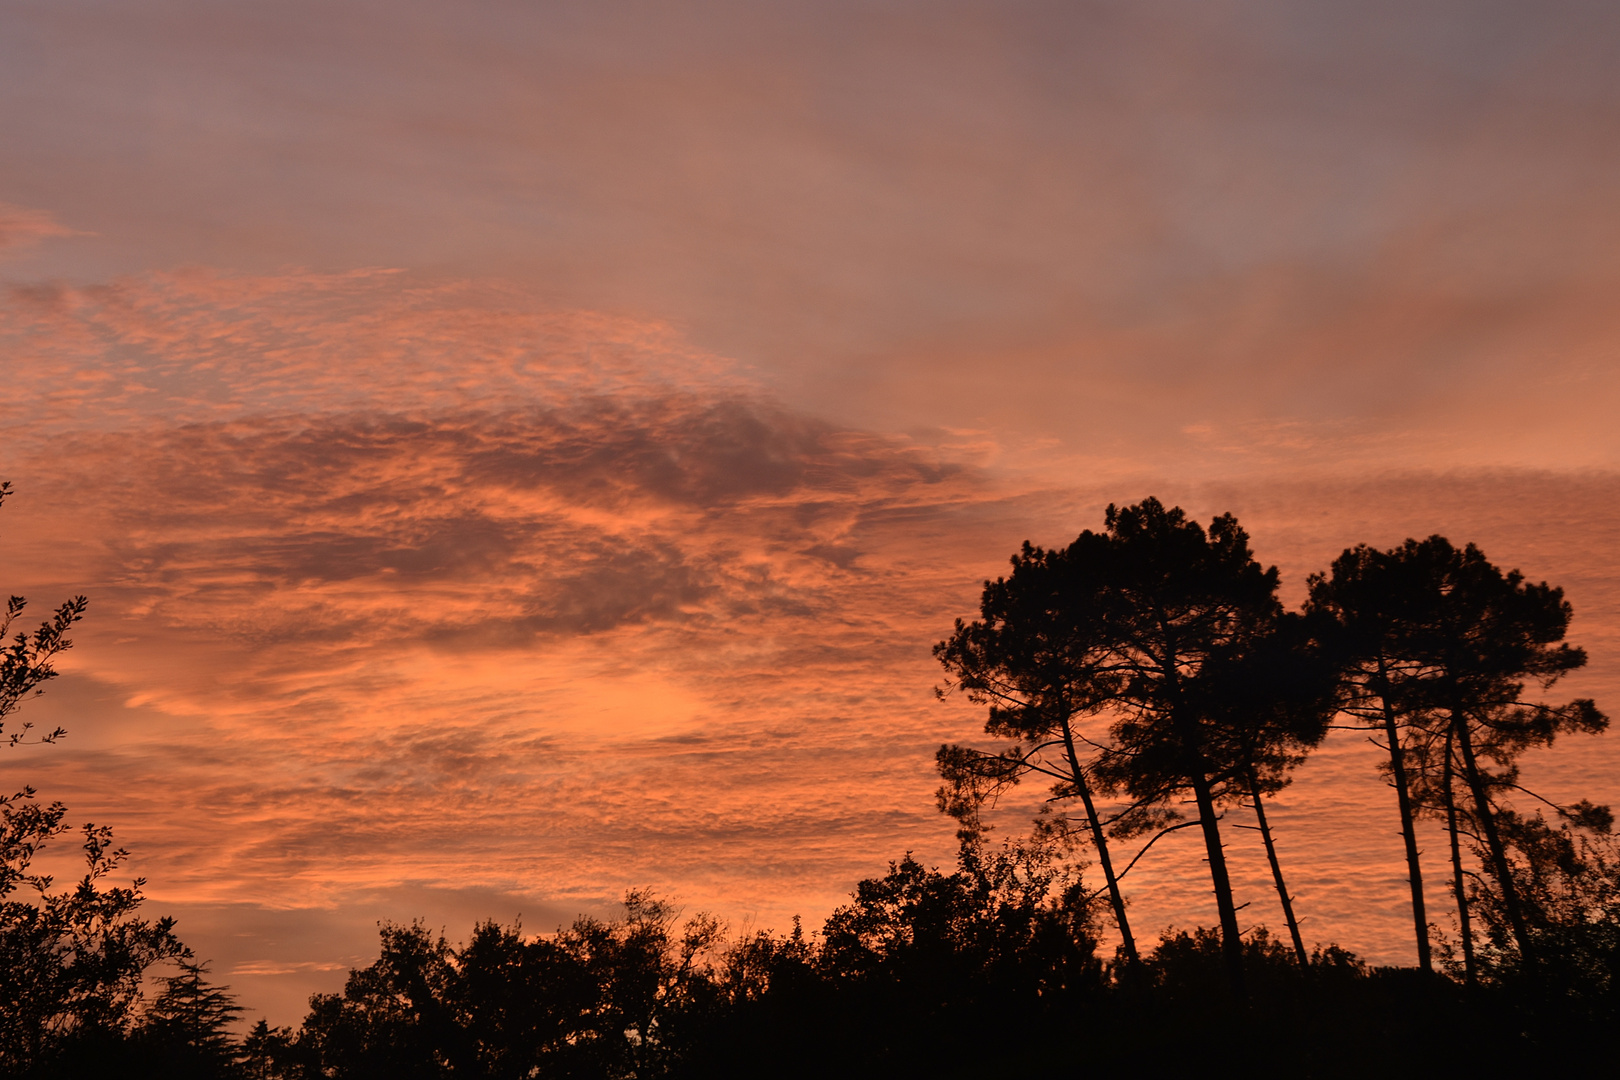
(521, 451)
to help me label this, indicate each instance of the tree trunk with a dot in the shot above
(1231, 939)
(1197, 772)
(1403, 797)
(1470, 972)
(1114, 895)
(1493, 839)
(1277, 874)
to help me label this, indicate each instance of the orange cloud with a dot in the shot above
(403, 587)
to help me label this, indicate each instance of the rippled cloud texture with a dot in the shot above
(518, 452)
(393, 587)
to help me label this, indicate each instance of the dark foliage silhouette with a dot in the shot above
(186, 1031)
(1151, 659)
(1377, 598)
(1183, 601)
(1014, 922)
(1447, 643)
(71, 960)
(1269, 699)
(597, 999)
(1040, 656)
(25, 661)
(988, 969)
(1566, 878)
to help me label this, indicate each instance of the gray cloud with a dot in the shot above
(1086, 225)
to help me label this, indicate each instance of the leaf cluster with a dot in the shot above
(71, 960)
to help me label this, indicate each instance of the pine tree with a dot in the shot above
(188, 1024)
(1039, 657)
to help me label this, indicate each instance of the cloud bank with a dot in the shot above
(399, 586)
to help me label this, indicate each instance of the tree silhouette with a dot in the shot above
(1379, 598)
(1493, 634)
(395, 1017)
(1009, 923)
(1140, 667)
(1175, 636)
(187, 1027)
(1448, 643)
(1567, 877)
(597, 999)
(72, 960)
(25, 659)
(1183, 603)
(1040, 656)
(272, 1053)
(1269, 699)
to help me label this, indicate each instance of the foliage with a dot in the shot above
(1014, 922)
(1186, 607)
(1567, 876)
(72, 960)
(1040, 657)
(913, 972)
(186, 1031)
(598, 999)
(25, 659)
(1444, 645)
(1171, 635)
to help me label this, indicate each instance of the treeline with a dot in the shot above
(1150, 675)
(994, 968)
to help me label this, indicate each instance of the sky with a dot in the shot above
(518, 452)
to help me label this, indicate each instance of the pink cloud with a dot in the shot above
(197, 346)
(22, 228)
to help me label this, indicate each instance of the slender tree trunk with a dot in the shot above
(1464, 927)
(1197, 773)
(1493, 838)
(1414, 871)
(1231, 939)
(1114, 895)
(1277, 874)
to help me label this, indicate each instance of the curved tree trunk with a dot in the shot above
(1115, 896)
(1277, 874)
(1493, 839)
(1464, 927)
(1403, 797)
(1231, 937)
